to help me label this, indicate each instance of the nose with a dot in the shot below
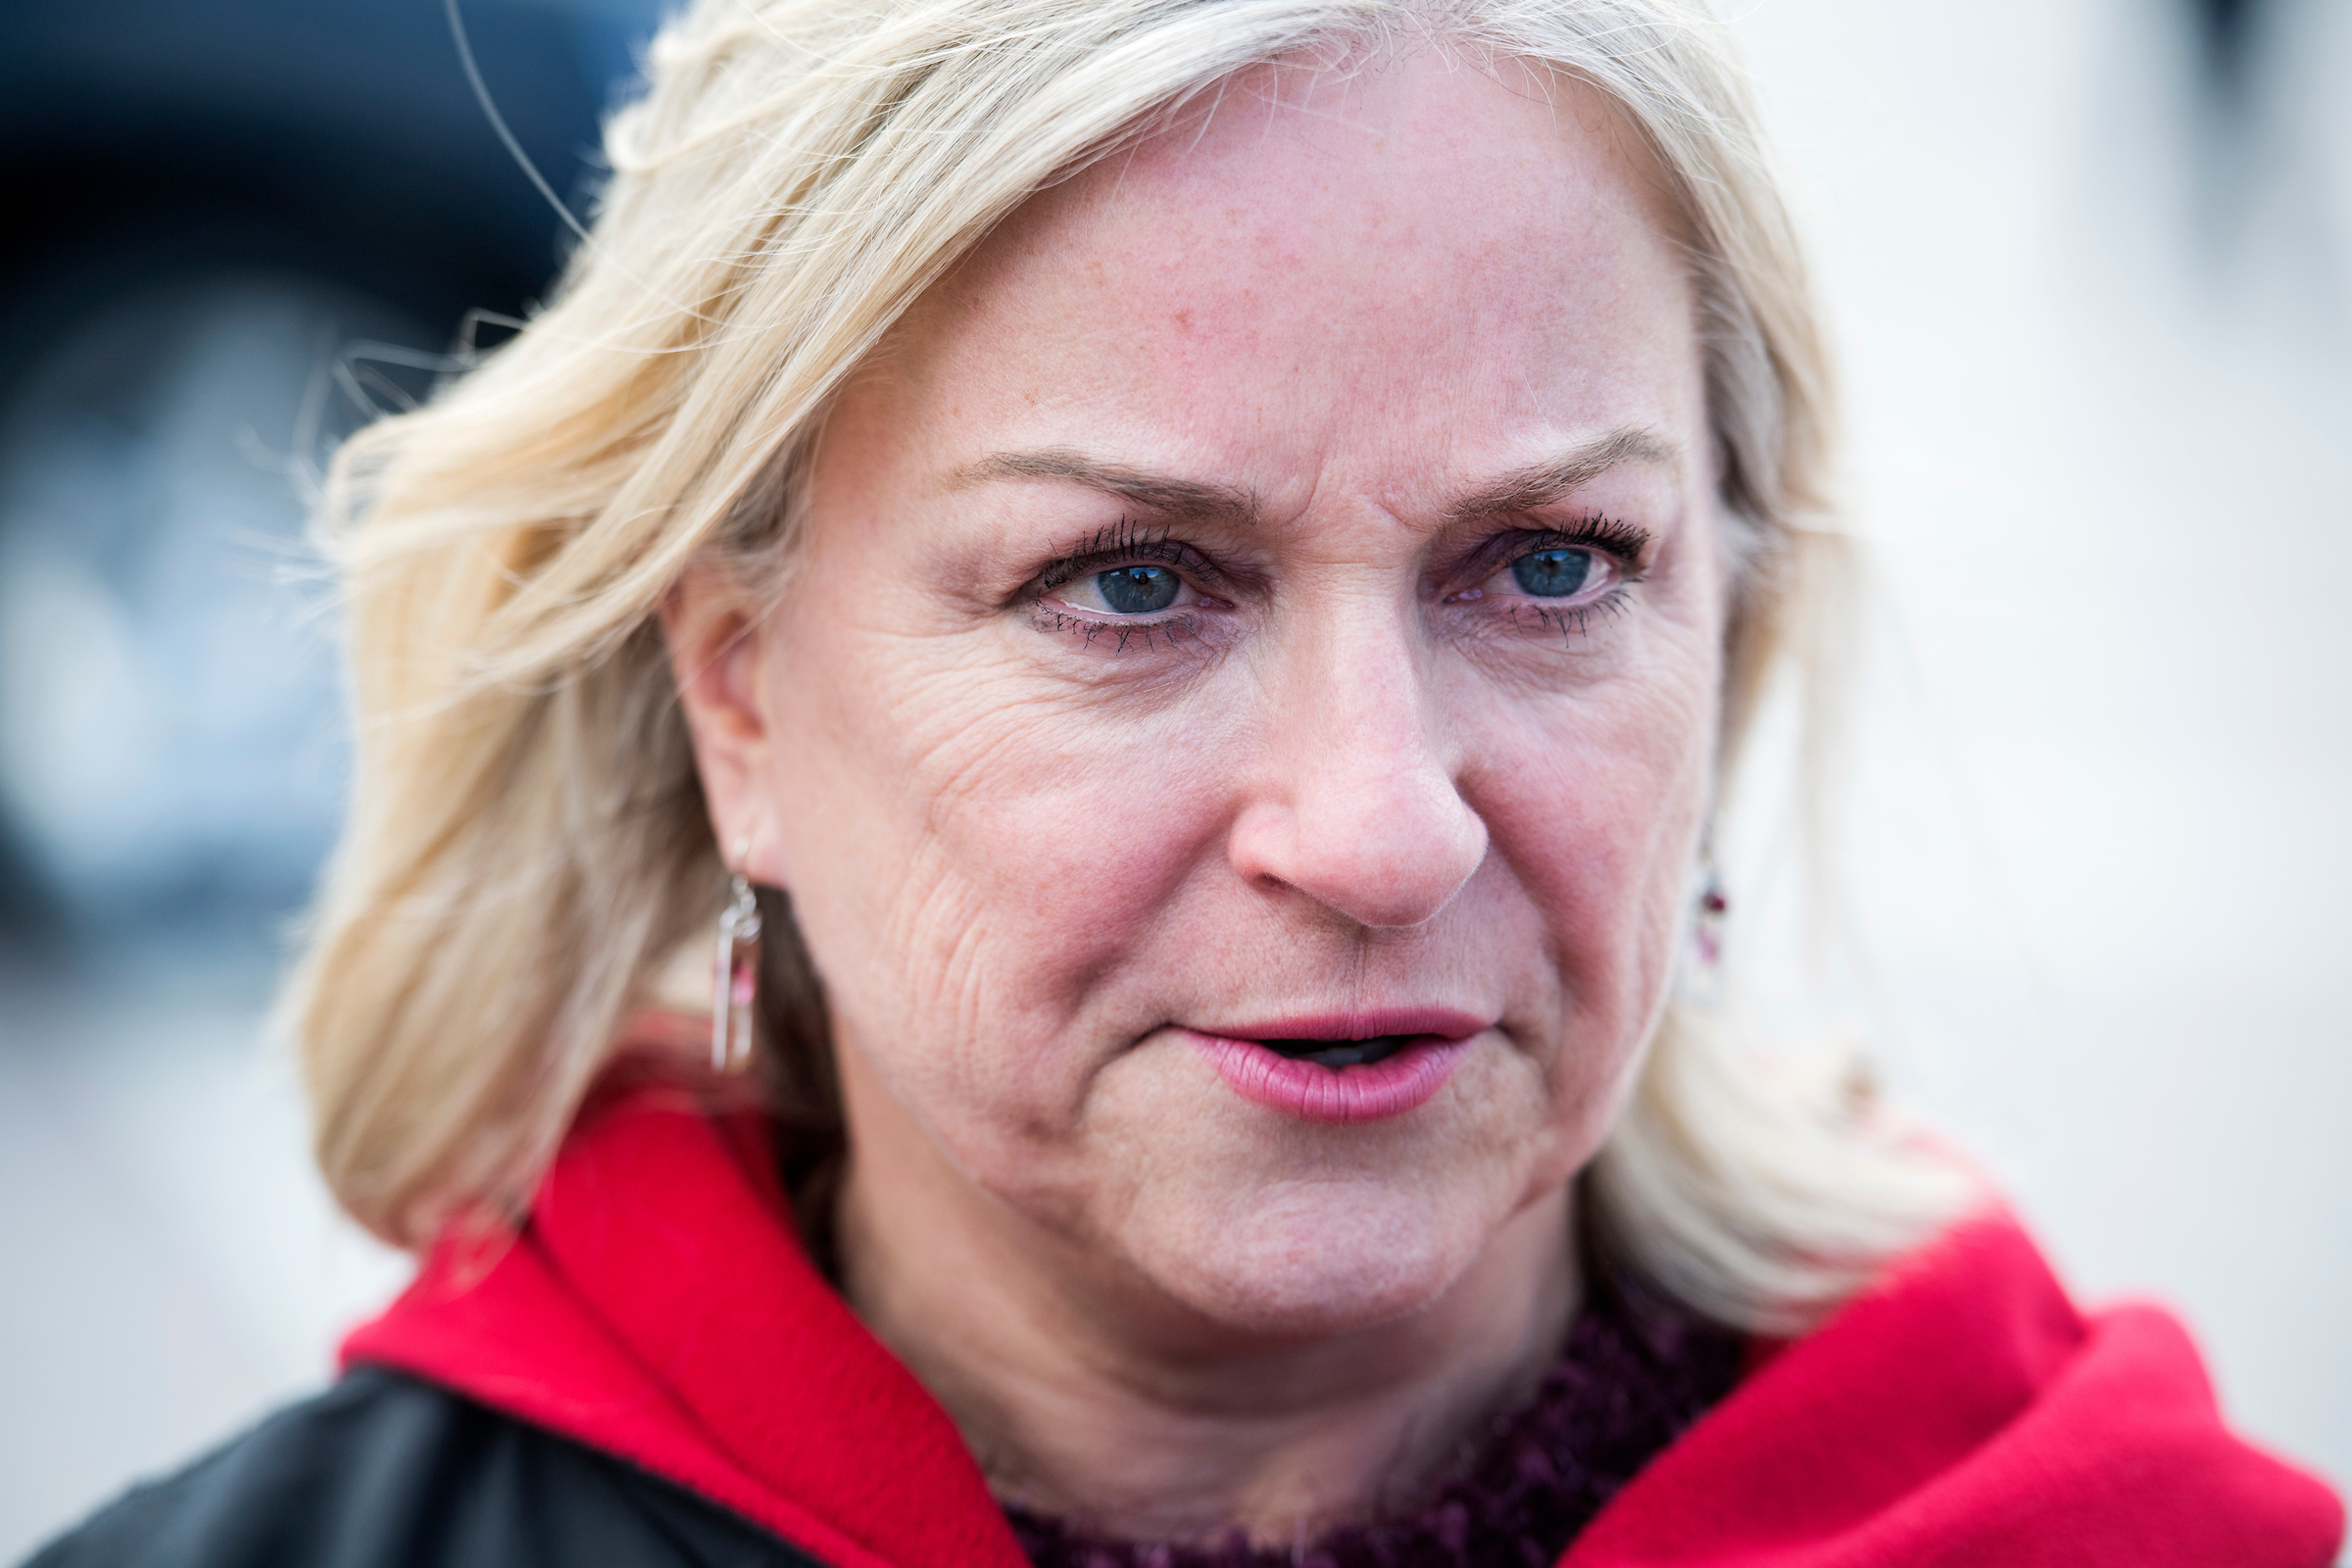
(1357, 803)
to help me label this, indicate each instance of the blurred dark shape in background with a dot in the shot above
(237, 229)
(2228, 28)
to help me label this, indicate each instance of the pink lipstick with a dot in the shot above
(1342, 1069)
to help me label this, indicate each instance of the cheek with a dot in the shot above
(1597, 812)
(974, 861)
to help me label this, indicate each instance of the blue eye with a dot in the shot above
(1138, 590)
(1552, 573)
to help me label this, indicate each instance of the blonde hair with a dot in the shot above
(527, 841)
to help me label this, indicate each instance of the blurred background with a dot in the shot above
(2090, 266)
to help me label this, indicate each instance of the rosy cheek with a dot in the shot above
(1598, 833)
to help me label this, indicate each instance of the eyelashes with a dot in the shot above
(1614, 537)
(1121, 544)
(1130, 586)
(1117, 637)
(1125, 589)
(1557, 580)
(1621, 546)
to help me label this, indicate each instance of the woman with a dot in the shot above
(1208, 563)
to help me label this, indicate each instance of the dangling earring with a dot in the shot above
(735, 982)
(1706, 927)
(1698, 979)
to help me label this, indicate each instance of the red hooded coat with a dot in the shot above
(658, 1307)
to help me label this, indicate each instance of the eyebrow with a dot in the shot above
(1180, 498)
(1539, 484)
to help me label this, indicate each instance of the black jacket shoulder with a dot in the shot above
(385, 1471)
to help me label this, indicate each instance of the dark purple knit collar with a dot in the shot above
(1633, 1374)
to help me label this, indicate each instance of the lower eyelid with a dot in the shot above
(1168, 634)
(1054, 600)
(1551, 617)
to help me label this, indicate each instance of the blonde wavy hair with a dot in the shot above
(527, 843)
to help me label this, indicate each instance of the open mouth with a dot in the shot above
(1338, 1054)
(1335, 1075)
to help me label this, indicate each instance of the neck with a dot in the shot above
(1085, 1393)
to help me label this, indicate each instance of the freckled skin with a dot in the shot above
(1024, 852)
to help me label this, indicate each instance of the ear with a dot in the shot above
(716, 642)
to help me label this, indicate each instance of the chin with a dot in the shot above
(1312, 1259)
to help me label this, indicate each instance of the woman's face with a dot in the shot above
(1272, 591)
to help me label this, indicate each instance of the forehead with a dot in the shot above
(1325, 265)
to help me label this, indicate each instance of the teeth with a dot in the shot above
(1337, 1053)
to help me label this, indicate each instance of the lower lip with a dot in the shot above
(1337, 1097)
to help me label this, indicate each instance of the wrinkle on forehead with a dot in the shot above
(1315, 111)
(1435, 273)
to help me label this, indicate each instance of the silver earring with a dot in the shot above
(735, 982)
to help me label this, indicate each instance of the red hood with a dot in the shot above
(658, 1307)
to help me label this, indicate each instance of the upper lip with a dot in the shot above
(1449, 1023)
